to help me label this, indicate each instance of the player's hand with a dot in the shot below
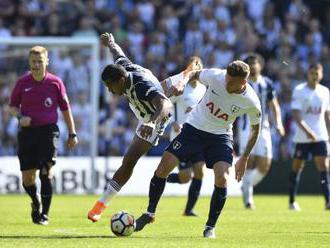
(107, 39)
(311, 135)
(146, 130)
(72, 142)
(176, 127)
(280, 129)
(176, 90)
(240, 168)
(25, 121)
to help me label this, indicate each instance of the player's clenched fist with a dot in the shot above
(107, 39)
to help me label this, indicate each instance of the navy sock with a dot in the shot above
(218, 200)
(325, 185)
(46, 193)
(193, 194)
(156, 189)
(32, 192)
(173, 178)
(293, 185)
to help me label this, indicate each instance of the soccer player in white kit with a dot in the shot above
(310, 110)
(261, 156)
(183, 105)
(209, 130)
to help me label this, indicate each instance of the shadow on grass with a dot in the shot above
(56, 237)
(46, 237)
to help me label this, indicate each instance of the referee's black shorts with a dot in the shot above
(37, 146)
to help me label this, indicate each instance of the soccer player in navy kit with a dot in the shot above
(34, 101)
(209, 130)
(149, 104)
(311, 111)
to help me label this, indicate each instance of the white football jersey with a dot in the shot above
(184, 103)
(312, 103)
(218, 109)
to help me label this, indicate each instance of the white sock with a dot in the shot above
(257, 176)
(112, 188)
(247, 186)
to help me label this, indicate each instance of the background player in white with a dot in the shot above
(183, 105)
(209, 130)
(261, 156)
(310, 110)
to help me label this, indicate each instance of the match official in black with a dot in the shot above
(34, 101)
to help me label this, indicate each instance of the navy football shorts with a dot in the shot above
(192, 141)
(303, 151)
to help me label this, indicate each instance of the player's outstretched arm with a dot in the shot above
(242, 161)
(177, 89)
(109, 41)
(275, 107)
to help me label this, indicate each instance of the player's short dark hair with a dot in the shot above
(254, 56)
(113, 72)
(238, 68)
(317, 66)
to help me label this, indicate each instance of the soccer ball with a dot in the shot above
(122, 224)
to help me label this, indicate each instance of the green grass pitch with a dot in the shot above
(271, 225)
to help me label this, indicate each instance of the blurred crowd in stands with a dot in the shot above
(161, 35)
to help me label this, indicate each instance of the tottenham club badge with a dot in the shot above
(176, 145)
(234, 108)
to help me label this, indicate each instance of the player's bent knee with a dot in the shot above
(166, 165)
(185, 177)
(221, 182)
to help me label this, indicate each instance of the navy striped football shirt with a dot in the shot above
(144, 86)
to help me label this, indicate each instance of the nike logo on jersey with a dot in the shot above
(217, 112)
(215, 93)
(28, 89)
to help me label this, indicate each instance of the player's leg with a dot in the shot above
(261, 159)
(181, 177)
(219, 196)
(294, 178)
(28, 165)
(194, 188)
(301, 153)
(322, 166)
(46, 178)
(247, 183)
(321, 160)
(47, 147)
(135, 151)
(29, 185)
(156, 188)
(185, 145)
(219, 157)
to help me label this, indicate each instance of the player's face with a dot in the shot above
(315, 75)
(235, 84)
(255, 67)
(116, 88)
(38, 63)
